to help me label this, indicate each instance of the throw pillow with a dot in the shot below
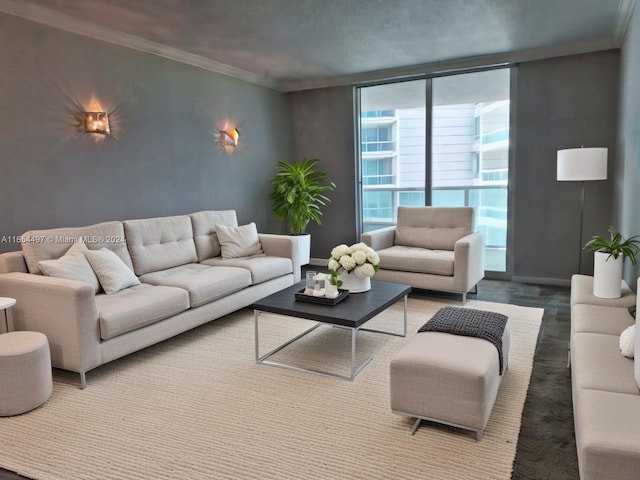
(73, 265)
(628, 341)
(113, 273)
(240, 241)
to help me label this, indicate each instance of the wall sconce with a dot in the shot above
(97, 122)
(229, 138)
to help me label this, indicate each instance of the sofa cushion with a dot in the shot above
(419, 260)
(73, 265)
(596, 364)
(160, 243)
(607, 440)
(137, 307)
(38, 245)
(203, 282)
(238, 242)
(436, 228)
(204, 230)
(112, 273)
(262, 267)
(598, 319)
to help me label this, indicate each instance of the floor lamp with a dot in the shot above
(582, 165)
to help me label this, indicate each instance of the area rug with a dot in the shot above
(199, 407)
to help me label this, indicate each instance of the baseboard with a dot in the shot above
(318, 262)
(559, 282)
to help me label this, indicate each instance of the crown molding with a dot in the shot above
(45, 16)
(454, 65)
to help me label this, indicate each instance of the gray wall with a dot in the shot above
(323, 122)
(564, 102)
(162, 158)
(627, 174)
(560, 103)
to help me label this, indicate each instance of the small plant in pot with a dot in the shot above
(298, 194)
(609, 254)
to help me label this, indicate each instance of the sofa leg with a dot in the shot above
(479, 435)
(415, 426)
(464, 299)
(83, 380)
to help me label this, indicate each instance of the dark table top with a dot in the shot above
(352, 312)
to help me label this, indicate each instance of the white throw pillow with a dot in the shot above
(73, 265)
(113, 273)
(628, 341)
(240, 241)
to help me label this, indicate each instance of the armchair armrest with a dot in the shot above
(381, 238)
(64, 310)
(282, 246)
(468, 254)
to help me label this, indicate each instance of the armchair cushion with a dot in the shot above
(416, 259)
(436, 228)
(431, 238)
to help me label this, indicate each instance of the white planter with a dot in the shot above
(354, 284)
(304, 247)
(607, 275)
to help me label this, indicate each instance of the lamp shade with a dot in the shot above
(582, 164)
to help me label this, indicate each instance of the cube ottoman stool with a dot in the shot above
(451, 378)
(25, 372)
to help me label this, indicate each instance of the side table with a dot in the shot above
(5, 303)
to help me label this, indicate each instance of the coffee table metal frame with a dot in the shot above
(350, 314)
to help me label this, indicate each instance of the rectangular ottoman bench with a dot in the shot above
(451, 378)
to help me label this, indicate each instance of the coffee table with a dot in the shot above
(351, 313)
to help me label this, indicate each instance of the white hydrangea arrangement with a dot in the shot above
(359, 258)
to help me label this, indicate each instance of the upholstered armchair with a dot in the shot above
(433, 248)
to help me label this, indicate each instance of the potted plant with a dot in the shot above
(608, 259)
(298, 194)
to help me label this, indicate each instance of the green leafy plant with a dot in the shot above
(298, 194)
(615, 245)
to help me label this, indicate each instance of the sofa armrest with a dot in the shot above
(12, 262)
(282, 246)
(64, 310)
(468, 258)
(381, 238)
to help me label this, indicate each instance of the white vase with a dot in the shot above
(607, 275)
(354, 284)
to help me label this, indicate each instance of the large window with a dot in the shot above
(464, 161)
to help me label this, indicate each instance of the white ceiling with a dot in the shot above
(297, 44)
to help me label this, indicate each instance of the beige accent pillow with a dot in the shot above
(240, 241)
(73, 265)
(113, 273)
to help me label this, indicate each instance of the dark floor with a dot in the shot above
(546, 446)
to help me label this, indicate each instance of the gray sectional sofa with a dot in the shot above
(103, 291)
(606, 398)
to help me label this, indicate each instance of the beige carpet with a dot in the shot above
(199, 407)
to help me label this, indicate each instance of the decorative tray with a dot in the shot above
(342, 294)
